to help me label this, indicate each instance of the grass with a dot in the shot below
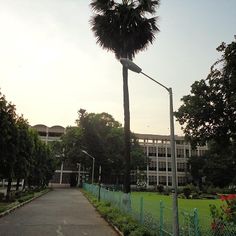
(152, 205)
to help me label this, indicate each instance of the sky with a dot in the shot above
(51, 66)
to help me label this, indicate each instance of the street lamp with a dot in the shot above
(79, 167)
(133, 67)
(93, 163)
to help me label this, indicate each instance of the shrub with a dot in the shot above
(124, 222)
(187, 192)
(225, 216)
(160, 188)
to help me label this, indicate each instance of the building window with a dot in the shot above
(54, 134)
(169, 180)
(187, 153)
(161, 152)
(41, 133)
(162, 166)
(180, 152)
(168, 152)
(181, 180)
(152, 151)
(181, 167)
(162, 180)
(169, 166)
(152, 179)
(152, 165)
(194, 153)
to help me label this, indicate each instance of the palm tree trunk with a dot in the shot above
(126, 130)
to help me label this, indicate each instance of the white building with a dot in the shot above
(158, 151)
(156, 148)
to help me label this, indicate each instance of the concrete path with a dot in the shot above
(61, 212)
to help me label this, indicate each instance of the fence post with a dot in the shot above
(161, 217)
(196, 222)
(141, 210)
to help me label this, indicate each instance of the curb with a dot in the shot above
(21, 204)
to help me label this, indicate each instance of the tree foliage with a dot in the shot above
(102, 137)
(122, 27)
(209, 112)
(22, 154)
(208, 115)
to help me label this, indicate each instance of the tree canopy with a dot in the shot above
(208, 115)
(209, 112)
(22, 154)
(122, 27)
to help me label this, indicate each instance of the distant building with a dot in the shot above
(67, 173)
(156, 148)
(158, 151)
(48, 134)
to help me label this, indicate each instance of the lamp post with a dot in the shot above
(79, 167)
(93, 163)
(133, 67)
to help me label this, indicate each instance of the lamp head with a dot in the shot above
(130, 65)
(84, 151)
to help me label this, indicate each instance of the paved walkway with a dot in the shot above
(61, 212)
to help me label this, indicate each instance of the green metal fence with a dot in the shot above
(160, 223)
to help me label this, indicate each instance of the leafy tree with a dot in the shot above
(102, 137)
(208, 114)
(196, 165)
(8, 140)
(72, 145)
(24, 150)
(220, 164)
(123, 28)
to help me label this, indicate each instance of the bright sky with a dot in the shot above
(51, 66)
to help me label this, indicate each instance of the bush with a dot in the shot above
(160, 188)
(187, 192)
(124, 222)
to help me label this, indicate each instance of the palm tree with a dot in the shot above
(123, 28)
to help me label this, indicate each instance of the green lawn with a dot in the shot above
(152, 205)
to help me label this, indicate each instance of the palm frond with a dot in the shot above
(149, 6)
(102, 5)
(124, 29)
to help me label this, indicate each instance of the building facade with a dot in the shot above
(67, 173)
(157, 149)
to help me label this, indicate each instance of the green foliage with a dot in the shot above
(187, 192)
(122, 27)
(125, 223)
(103, 137)
(208, 114)
(22, 154)
(160, 188)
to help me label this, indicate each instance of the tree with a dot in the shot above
(24, 150)
(8, 140)
(124, 29)
(196, 165)
(102, 137)
(208, 114)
